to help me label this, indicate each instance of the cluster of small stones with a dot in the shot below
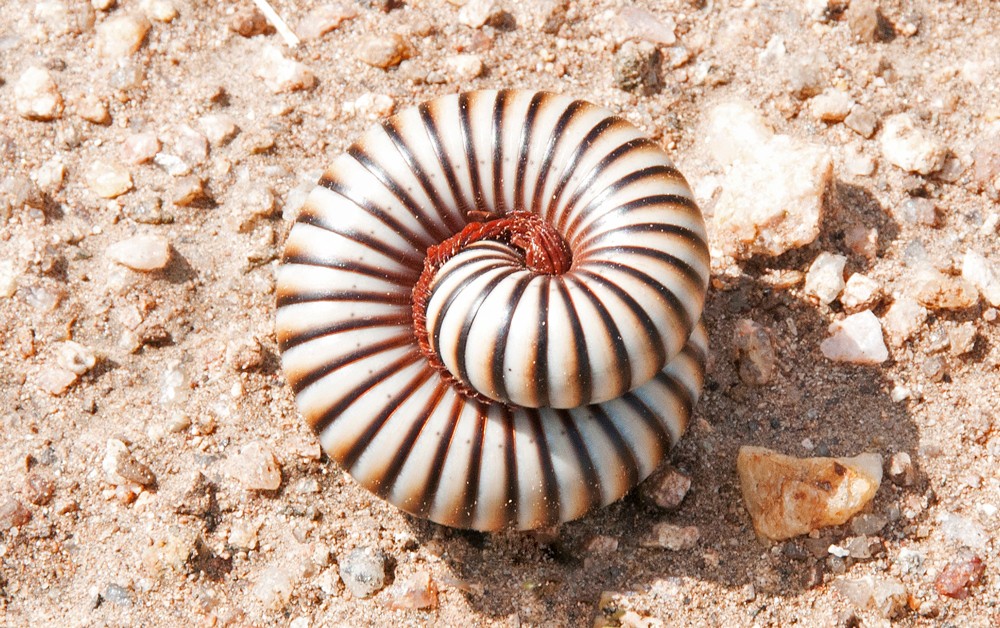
(206, 490)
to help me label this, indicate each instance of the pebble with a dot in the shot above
(479, 13)
(825, 278)
(901, 470)
(866, 21)
(753, 353)
(907, 146)
(139, 148)
(141, 253)
(92, 109)
(56, 381)
(860, 293)
(364, 571)
(465, 67)
(117, 594)
(13, 514)
(120, 467)
(915, 211)
(937, 291)
(243, 534)
(219, 128)
(160, 10)
(198, 499)
(119, 37)
(324, 19)
(887, 596)
(189, 145)
(963, 531)
(384, 52)
(255, 202)
(62, 18)
(935, 369)
(868, 524)
(672, 537)
(772, 192)
(371, 106)
(49, 176)
(962, 338)
(255, 468)
(281, 74)
(984, 275)
(75, 357)
(39, 488)
(833, 105)
(956, 579)
(856, 339)
(788, 496)
(601, 544)
(415, 592)
(108, 180)
(36, 96)
(861, 120)
(666, 488)
(249, 22)
(546, 16)
(245, 355)
(986, 157)
(8, 279)
(637, 67)
(641, 24)
(188, 191)
(904, 319)
(172, 164)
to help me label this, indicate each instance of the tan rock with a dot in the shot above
(789, 496)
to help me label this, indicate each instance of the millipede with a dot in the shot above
(489, 308)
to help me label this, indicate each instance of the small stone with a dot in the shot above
(160, 10)
(962, 338)
(189, 190)
(142, 253)
(49, 177)
(666, 488)
(753, 352)
(108, 180)
(963, 531)
(937, 291)
(825, 279)
(324, 19)
(138, 148)
(172, 164)
(935, 369)
(119, 37)
(364, 571)
(257, 141)
(415, 592)
(13, 514)
(384, 52)
(772, 193)
(833, 105)
(959, 576)
(189, 145)
(198, 499)
(245, 355)
(984, 275)
(546, 16)
(868, 524)
(372, 106)
(860, 293)
(92, 109)
(61, 18)
(672, 537)
(637, 67)
(248, 22)
(986, 157)
(601, 544)
(904, 319)
(861, 120)
(38, 488)
(909, 147)
(643, 25)
(120, 467)
(901, 470)
(218, 128)
(867, 22)
(281, 74)
(479, 13)
(465, 67)
(36, 96)
(789, 496)
(75, 357)
(56, 381)
(856, 339)
(886, 595)
(255, 468)
(915, 211)
(244, 534)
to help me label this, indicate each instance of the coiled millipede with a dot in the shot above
(489, 309)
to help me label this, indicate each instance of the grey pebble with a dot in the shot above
(364, 571)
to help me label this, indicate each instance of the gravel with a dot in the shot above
(364, 571)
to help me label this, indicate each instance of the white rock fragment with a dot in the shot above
(909, 147)
(108, 180)
(281, 74)
(861, 120)
(857, 162)
(56, 381)
(788, 496)
(160, 10)
(465, 67)
(92, 109)
(36, 96)
(8, 279)
(833, 105)
(904, 319)
(672, 537)
(255, 468)
(119, 37)
(963, 530)
(244, 534)
(138, 148)
(324, 19)
(478, 13)
(50, 175)
(641, 24)
(856, 339)
(915, 211)
(143, 253)
(887, 596)
(772, 193)
(984, 275)
(938, 291)
(825, 279)
(75, 357)
(860, 292)
(219, 128)
(371, 106)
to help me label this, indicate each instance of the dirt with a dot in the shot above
(187, 371)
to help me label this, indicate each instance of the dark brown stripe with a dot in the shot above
(470, 496)
(605, 125)
(512, 502)
(412, 258)
(690, 273)
(527, 130)
(555, 139)
(469, 143)
(584, 242)
(470, 319)
(310, 296)
(430, 126)
(678, 390)
(623, 365)
(499, 344)
(651, 421)
(538, 381)
(666, 295)
(629, 464)
(592, 479)
(583, 384)
(287, 341)
(550, 483)
(425, 501)
(299, 383)
(499, 113)
(365, 270)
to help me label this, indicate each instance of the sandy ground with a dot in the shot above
(187, 375)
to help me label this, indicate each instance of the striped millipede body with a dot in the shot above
(489, 309)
